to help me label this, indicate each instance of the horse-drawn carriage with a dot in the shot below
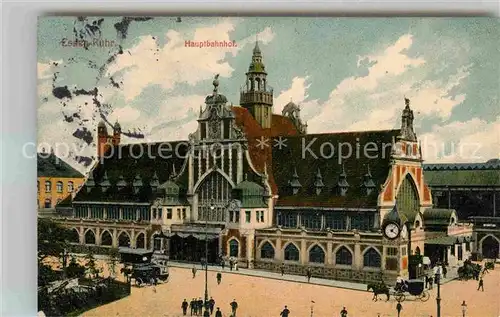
(138, 265)
(411, 287)
(469, 271)
(401, 290)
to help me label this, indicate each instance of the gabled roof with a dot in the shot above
(493, 164)
(127, 163)
(49, 165)
(296, 156)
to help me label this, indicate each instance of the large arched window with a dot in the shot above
(89, 237)
(267, 251)
(106, 239)
(216, 187)
(408, 202)
(316, 255)
(233, 248)
(140, 242)
(343, 256)
(371, 258)
(123, 240)
(291, 252)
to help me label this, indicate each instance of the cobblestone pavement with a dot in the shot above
(262, 297)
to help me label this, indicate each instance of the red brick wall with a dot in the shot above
(235, 233)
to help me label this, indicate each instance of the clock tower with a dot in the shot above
(256, 95)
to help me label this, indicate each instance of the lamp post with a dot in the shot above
(438, 298)
(464, 308)
(312, 308)
(212, 208)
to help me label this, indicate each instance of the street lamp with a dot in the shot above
(312, 308)
(212, 208)
(399, 308)
(464, 308)
(438, 298)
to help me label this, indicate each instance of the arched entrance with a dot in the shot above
(490, 247)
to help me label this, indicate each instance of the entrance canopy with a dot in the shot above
(197, 232)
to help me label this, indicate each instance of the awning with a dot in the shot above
(199, 236)
(197, 232)
(449, 241)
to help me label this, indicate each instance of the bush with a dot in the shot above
(74, 269)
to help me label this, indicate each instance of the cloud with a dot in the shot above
(471, 141)
(297, 93)
(374, 101)
(147, 63)
(46, 70)
(124, 115)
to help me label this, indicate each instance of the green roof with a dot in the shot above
(251, 194)
(436, 216)
(49, 165)
(471, 177)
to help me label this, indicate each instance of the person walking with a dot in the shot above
(309, 274)
(231, 264)
(234, 307)
(431, 281)
(218, 313)
(481, 286)
(192, 305)
(343, 312)
(282, 268)
(285, 312)
(445, 270)
(184, 307)
(193, 270)
(219, 278)
(426, 279)
(222, 263)
(211, 305)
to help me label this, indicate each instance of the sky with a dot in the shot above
(347, 74)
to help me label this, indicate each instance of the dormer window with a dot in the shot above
(137, 184)
(154, 183)
(342, 184)
(318, 183)
(368, 183)
(121, 184)
(105, 184)
(294, 182)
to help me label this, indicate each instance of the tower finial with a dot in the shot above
(216, 83)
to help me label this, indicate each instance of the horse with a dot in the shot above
(378, 289)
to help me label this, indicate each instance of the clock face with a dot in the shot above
(404, 232)
(391, 231)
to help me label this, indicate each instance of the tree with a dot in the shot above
(114, 257)
(52, 239)
(74, 269)
(91, 266)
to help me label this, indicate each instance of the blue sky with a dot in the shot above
(346, 74)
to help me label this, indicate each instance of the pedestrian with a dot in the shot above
(223, 263)
(236, 266)
(206, 313)
(445, 270)
(426, 279)
(193, 270)
(308, 273)
(431, 281)
(343, 312)
(192, 305)
(184, 307)
(218, 313)
(234, 306)
(231, 264)
(219, 277)
(282, 269)
(211, 305)
(285, 312)
(481, 286)
(200, 306)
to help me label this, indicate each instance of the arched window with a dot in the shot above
(123, 240)
(233, 248)
(371, 258)
(59, 187)
(417, 251)
(106, 239)
(140, 242)
(74, 236)
(71, 187)
(89, 237)
(267, 251)
(291, 252)
(408, 202)
(47, 203)
(316, 255)
(343, 256)
(48, 186)
(215, 186)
